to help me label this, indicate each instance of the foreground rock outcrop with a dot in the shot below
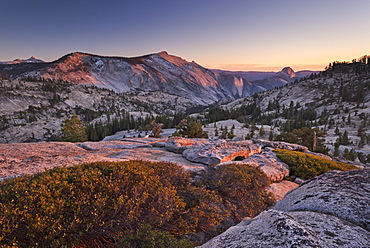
(270, 164)
(331, 210)
(342, 194)
(297, 229)
(222, 151)
(178, 144)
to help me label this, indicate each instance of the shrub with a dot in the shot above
(307, 166)
(241, 188)
(145, 237)
(102, 203)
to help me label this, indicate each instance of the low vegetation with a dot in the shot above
(308, 166)
(127, 204)
(190, 129)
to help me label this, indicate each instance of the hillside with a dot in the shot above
(336, 101)
(34, 110)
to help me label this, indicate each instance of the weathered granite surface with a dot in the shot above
(178, 144)
(277, 229)
(270, 164)
(279, 145)
(280, 189)
(345, 194)
(221, 151)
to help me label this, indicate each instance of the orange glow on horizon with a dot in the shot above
(260, 67)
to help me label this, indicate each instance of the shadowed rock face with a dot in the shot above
(331, 210)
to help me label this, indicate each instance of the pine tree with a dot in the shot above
(73, 130)
(336, 152)
(346, 154)
(336, 131)
(231, 134)
(352, 154)
(262, 131)
(224, 133)
(345, 139)
(271, 136)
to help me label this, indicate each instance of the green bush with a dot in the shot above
(102, 204)
(145, 237)
(308, 166)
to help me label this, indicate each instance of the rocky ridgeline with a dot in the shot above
(331, 210)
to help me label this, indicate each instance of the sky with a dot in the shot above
(245, 35)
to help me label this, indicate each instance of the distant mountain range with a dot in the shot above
(18, 61)
(154, 72)
(259, 75)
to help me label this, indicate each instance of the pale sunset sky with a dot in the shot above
(249, 35)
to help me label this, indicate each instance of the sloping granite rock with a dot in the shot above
(296, 229)
(345, 194)
(270, 165)
(280, 189)
(220, 152)
(178, 144)
(331, 210)
(279, 145)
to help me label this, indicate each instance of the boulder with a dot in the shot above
(178, 144)
(237, 139)
(345, 194)
(279, 145)
(274, 229)
(280, 189)
(270, 164)
(159, 144)
(299, 180)
(222, 151)
(131, 146)
(86, 146)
